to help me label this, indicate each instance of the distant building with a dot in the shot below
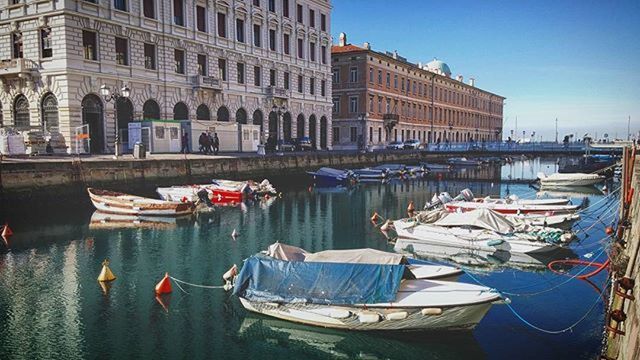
(381, 97)
(203, 61)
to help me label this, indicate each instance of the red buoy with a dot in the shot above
(608, 230)
(164, 286)
(375, 217)
(6, 231)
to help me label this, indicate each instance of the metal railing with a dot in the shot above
(505, 147)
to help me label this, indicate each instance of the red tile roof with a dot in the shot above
(336, 49)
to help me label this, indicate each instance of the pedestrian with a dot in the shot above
(438, 143)
(216, 144)
(202, 143)
(210, 142)
(185, 143)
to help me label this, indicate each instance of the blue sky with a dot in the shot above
(577, 60)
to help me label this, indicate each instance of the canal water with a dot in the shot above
(51, 305)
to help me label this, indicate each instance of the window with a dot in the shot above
(256, 3)
(312, 18)
(286, 44)
(395, 81)
(371, 75)
(323, 88)
(285, 8)
(120, 5)
(21, 112)
(89, 45)
(379, 77)
(178, 12)
(388, 80)
(45, 42)
(240, 30)
(336, 76)
(222, 68)
(353, 104)
(272, 5)
(323, 54)
(353, 74)
(336, 105)
(178, 57)
(312, 51)
(370, 134)
(379, 104)
(300, 48)
(149, 56)
(201, 19)
(202, 65)
(222, 25)
(122, 51)
(272, 77)
(312, 86)
(18, 50)
(257, 76)
(149, 9)
(336, 135)
(257, 35)
(50, 112)
(300, 84)
(402, 84)
(240, 72)
(323, 22)
(299, 14)
(370, 103)
(353, 134)
(272, 40)
(379, 134)
(287, 84)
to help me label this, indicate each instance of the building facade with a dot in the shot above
(381, 97)
(262, 62)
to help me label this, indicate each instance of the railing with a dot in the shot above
(277, 92)
(17, 66)
(505, 147)
(206, 82)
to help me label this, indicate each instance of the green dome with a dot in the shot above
(439, 66)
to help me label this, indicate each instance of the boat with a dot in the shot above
(419, 269)
(432, 167)
(573, 179)
(356, 296)
(463, 206)
(586, 163)
(120, 203)
(480, 230)
(218, 192)
(392, 170)
(326, 176)
(248, 187)
(514, 199)
(370, 174)
(415, 169)
(463, 161)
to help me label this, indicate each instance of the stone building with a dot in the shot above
(197, 60)
(381, 97)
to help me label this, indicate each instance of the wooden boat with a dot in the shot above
(121, 203)
(573, 179)
(361, 297)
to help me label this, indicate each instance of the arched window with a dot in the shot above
(50, 112)
(223, 114)
(180, 111)
(93, 116)
(151, 110)
(257, 117)
(124, 112)
(21, 113)
(241, 116)
(203, 113)
(312, 130)
(300, 126)
(324, 128)
(286, 126)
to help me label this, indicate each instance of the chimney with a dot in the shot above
(367, 46)
(459, 78)
(343, 39)
(472, 82)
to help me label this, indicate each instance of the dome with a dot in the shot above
(439, 67)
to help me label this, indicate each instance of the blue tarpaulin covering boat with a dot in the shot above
(264, 279)
(331, 177)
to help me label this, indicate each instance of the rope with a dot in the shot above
(194, 285)
(570, 327)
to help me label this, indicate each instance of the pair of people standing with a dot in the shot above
(209, 144)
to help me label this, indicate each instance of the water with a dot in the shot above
(51, 305)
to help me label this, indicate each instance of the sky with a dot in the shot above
(577, 61)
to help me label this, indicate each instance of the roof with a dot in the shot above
(337, 49)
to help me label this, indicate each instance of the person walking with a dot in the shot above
(185, 143)
(216, 144)
(202, 143)
(210, 142)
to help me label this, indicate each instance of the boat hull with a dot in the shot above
(119, 203)
(510, 208)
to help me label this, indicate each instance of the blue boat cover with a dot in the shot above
(264, 279)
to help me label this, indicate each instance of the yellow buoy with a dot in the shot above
(106, 274)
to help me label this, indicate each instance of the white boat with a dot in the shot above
(481, 230)
(358, 296)
(119, 203)
(571, 179)
(514, 199)
(514, 208)
(419, 269)
(219, 191)
(512, 204)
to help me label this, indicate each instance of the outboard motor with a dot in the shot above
(203, 195)
(465, 195)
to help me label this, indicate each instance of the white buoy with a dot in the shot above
(234, 234)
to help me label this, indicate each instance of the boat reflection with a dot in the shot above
(101, 221)
(569, 191)
(296, 339)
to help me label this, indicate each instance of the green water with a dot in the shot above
(51, 305)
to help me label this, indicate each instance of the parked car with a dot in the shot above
(395, 145)
(287, 145)
(412, 144)
(304, 143)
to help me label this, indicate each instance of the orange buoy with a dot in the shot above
(164, 286)
(608, 230)
(6, 231)
(106, 274)
(375, 217)
(411, 208)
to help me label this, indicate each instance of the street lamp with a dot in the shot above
(279, 110)
(106, 93)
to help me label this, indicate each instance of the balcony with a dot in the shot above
(17, 67)
(390, 120)
(277, 93)
(200, 82)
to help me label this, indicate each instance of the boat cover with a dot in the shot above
(482, 218)
(286, 252)
(331, 172)
(358, 256)
(264, 279)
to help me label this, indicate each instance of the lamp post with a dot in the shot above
(279, 110)
(108, 95)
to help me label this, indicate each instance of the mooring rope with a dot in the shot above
(178, 282)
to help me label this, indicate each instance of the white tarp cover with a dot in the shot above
(286, 252)
(482, 218)
(357, 256)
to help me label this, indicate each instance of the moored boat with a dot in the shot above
(121, 203)
(513, 208)
(326, 176)
(436, 167)
(572, 179)
(370, 174)
(392, 170)
(358, 296)
(463, 161)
